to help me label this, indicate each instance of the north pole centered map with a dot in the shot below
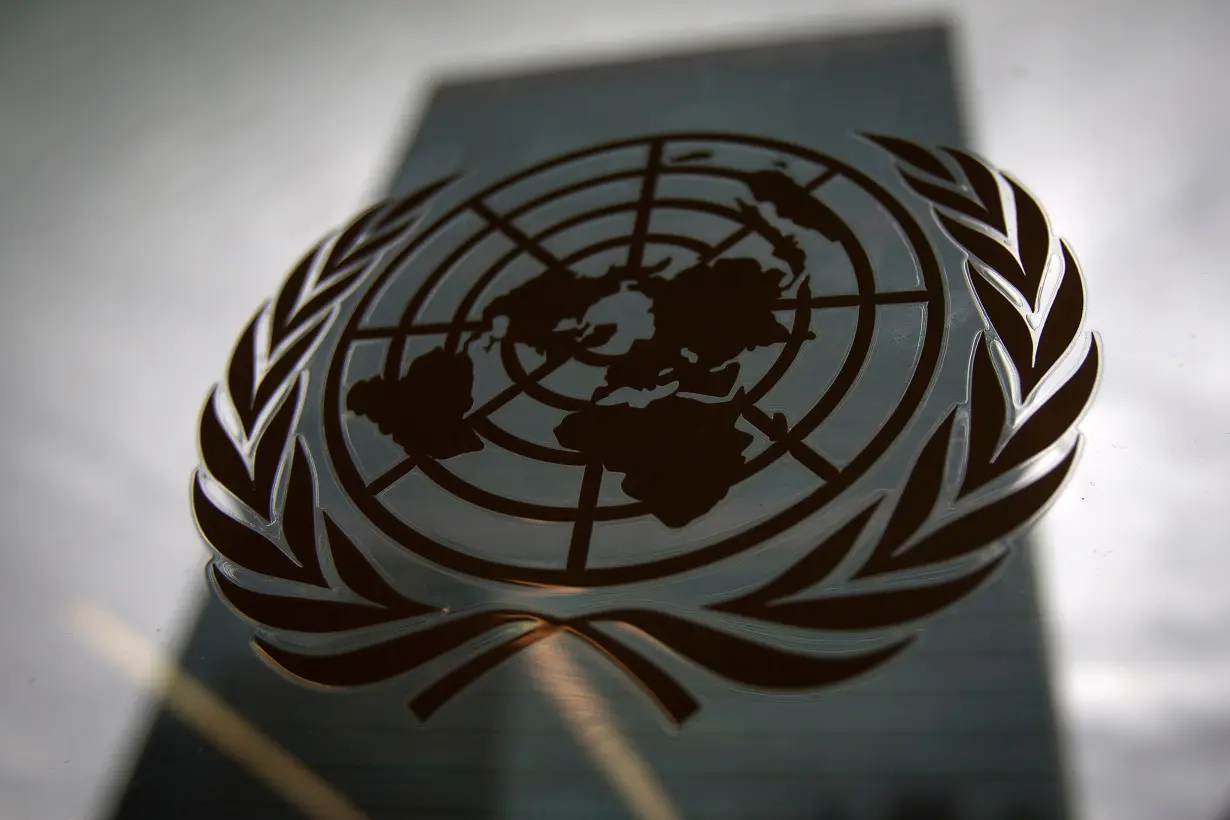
(679, 455)
(666, 334)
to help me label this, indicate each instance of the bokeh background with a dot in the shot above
(162, 164)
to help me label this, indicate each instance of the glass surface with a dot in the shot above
(164, 169)
(617, 378)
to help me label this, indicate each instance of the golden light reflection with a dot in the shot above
(591, 722)
(210, 716)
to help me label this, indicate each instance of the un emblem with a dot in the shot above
(633, 364)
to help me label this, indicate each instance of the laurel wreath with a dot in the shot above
(1013, 419)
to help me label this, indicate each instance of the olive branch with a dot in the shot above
(1008, 267)
(261, 397)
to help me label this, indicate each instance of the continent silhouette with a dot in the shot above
(546, 312)
(680, 456)
(423, 411)
(704, 318)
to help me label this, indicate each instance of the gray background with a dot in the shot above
(962, 721)
(161, 165)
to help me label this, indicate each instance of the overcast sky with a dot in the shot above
(124, 285)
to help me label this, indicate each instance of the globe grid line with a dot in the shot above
(782, 442)
(747, 230)
(504, 224)
(582, 524)
(644, 208)
(583, 527)
(532, 245)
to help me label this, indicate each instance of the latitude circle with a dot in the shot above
(495, 269)
(514, 368)
(535, 390)
(470, 492)
(467, 491)
(408, 537)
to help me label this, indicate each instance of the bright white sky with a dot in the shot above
(124, 285)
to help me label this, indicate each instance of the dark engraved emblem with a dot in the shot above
(591, 378)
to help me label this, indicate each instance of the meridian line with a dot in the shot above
(778, 432)
(392, 475)
(519, 237)
(583, 528)
(513, 390)
(644, 209)
(746, 231)
(821, 178)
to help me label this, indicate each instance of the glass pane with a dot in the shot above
(661, 433)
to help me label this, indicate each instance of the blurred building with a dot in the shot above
(961, 726)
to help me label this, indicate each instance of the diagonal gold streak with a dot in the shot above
(210, 716)
(591, 722)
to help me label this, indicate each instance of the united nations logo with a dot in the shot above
(628, 368)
